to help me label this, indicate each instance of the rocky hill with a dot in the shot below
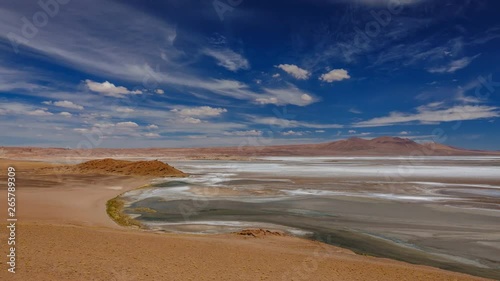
(120, 167)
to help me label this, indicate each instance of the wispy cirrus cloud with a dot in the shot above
(287, 95)
(200, 111)
(228, 59)
(289, 123)
(453, 65)
(249, 133)
(433, 113)
(385, 3)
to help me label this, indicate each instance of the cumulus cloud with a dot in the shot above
(40, 112)
(276, 75)
(292, 133)
(160, 91)
(352, 131)
(335, 75)
(152, 135)
(201, 111)
(152, 127)
(65, 104)
(127, 128)
(228, 59)
(434, 113)
(295, 71)
(109, 89)
(127, 124)
(191, 120)
(65, 114)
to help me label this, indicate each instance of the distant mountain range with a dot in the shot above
(371, 147)
(390, 146)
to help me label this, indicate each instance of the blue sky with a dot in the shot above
(211, 73)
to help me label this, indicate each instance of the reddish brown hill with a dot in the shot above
(381, 145)
(392, 146)
(121, 167)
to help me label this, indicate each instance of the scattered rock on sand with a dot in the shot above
(259, 232)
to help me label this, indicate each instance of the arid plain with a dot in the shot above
(65, 233)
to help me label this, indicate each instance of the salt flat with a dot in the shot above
(416, 210)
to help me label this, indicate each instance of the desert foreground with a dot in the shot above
(64, 233)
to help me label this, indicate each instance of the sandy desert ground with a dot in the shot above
(64, 233)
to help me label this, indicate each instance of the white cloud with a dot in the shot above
(40, 112)
(68, 104)
(292, 133)
(109, 89)
(386, 3)
(355, 111)
(352, 131)
(191, 120)
(335, 75)
(127, 124)
(295, 71)
(125, 110)
(152, 127)
(306, 97)
(286, 123)
(434, 113)
(283, 96)
(320, 131)
(65, 114)
(462, 90)
(228, 59)
(276, 75)
(244, 133)
(201, 111)
(160, 91)
(152, 135)
(104, 125)
(65, 104)
(271, 100)
(453, 66)
(404, 133)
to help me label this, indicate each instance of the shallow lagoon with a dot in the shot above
(440, 211)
